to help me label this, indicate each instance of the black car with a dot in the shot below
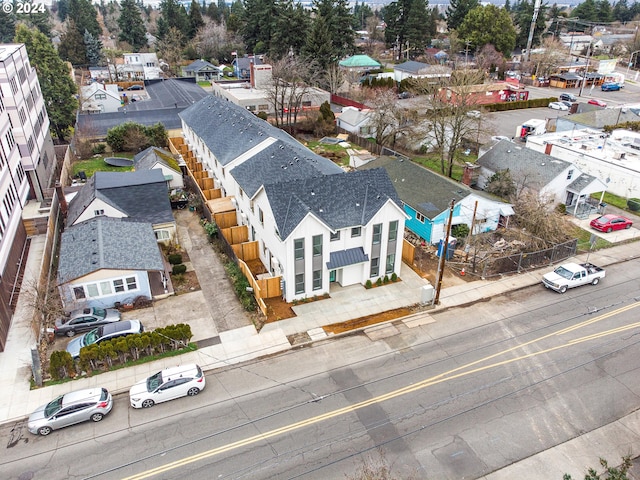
(84, 320)
(136, 87)
(567, 97)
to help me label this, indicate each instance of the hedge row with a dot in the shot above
(519, 105)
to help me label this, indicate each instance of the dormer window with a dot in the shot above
(98, 213)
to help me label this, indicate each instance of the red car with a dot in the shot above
(608, 223)
(595, 101)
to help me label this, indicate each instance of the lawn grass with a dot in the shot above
(96, 164)
(432, 162)
(611, 199)
(204, 83)
(584, 237)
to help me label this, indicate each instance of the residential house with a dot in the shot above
(355, 120)
(293, 201)
(163, 160)
(242, 65)
(550, 178)
(27, 167)
(140, 66)
(577, 43)
(483, 94)
(594, 117)
(104, 261)
(100, 98)
(426, 198)
(140, 196)
(614, 157)
(413, 69)
(201, 70)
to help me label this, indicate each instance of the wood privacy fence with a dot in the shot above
(226, 220)
(408, 252)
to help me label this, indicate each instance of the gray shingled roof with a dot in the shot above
(198, 65)
(281, 162)
(340, 201)
(107, 243)
(141, 195)
(228, 130)
(581, 182)
(146, 159)
(423, 190)
(411, 66)
(350, 256)
(534, 169)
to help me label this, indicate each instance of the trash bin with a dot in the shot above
(602, 206)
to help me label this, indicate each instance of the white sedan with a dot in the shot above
(558, 106)
(167, 384)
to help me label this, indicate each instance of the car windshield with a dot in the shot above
(100, 312)
(91, 337)
(564, 273)
(154, 381)
(53, 406)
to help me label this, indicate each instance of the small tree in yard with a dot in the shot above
(501, 184)
(541, 222)
(61, 365)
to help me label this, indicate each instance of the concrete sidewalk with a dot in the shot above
(245, 343)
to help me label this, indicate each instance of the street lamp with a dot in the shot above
(631, 61)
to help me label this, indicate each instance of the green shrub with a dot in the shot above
(262, 115)
(99, 149)
(379, 281)
(634, 204)
(240, 285)
(175, 259)
(460, 231)
(368, 284)
(61, 365)
(179, 269)
(385, 280)
(394, 277)
(561, 208)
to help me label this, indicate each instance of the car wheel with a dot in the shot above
(193, 391)
(609, 230)
(44, 431)
(96, 417)
(595, 281)
(563, 289)
(70, 333)
(148, 403)
(628, 227)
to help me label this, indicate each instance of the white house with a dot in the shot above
(315, 224)
(413, 69)
(355, 120)
(100, 98)
(161, 159)
(140, 66)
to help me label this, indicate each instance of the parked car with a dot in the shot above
(105, 332)
(611, 87)
(558, 106)
(599, 103)
(572, 275)
(69, 409)
(167, 384)
(403, 95)
(135, 87)
(473, 114)
(568, 104)
(85, 319)
(568, 97)
(610, 222)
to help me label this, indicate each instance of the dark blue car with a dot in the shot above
(611, 87)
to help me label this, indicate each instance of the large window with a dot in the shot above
(317, 245)
(298, 248)
(377, 233)
(335, 236)
(162, 235)
(393, 231)
(375, 267)
(317, 279)
(299, 283)
(391, 263)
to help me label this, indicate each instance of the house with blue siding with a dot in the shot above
(426, 198)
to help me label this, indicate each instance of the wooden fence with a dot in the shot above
(246, 251)
(236, 234)
(347, 102)
(226, 220)
(408, 252)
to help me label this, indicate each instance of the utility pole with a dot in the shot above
(586, 70)
(443, 255)
(473, 223)
(534, 19)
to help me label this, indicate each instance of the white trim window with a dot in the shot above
(105, 288)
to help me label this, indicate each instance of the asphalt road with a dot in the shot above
(476, 390)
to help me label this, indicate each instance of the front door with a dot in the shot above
(332, 276)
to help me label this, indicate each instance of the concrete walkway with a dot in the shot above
(237, 340)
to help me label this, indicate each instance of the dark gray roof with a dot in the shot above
(227, 129)
(141, 195)
(146, 159)
(107, 243)
(582, 182)
(411, 66)
(529, 167)
(423, 190)
(198, 65)
(342, 258)
(340, 201)
(244, 63)
(281, 162)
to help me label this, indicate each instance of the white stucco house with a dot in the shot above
(355, 120)
(100, 98)
(160, 159)
(315, 224)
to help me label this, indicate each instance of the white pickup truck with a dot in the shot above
(572, 275)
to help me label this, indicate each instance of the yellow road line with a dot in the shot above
(446, 376)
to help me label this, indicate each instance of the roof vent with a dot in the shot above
(312, 192)
(357, 204)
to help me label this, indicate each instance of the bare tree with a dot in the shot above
(488, 59)
(334, 78)
(537, 216)
(171, 47)
(546, 60)
(114, 67)
(388, 120)
(447, 120)
(374, 34)
(212, 39)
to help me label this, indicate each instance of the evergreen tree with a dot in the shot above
(93, 48)
(604, 11)
(507, 5)
(586, 11)
(457, 11)
(234, 16)
(339, 21)
(213, 12)
(258, 19)
(58, 88)
(7, 26)
(195, 19)
(132, 28)
(522, 14)
(408, 25)
(361, 13)
(83, 13)
(621, 12)
(172, 15)
(63, 9)
(489, 25)
(286, 39)
(72, 47)
(318, 44)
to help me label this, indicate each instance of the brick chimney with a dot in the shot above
(467, 174)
